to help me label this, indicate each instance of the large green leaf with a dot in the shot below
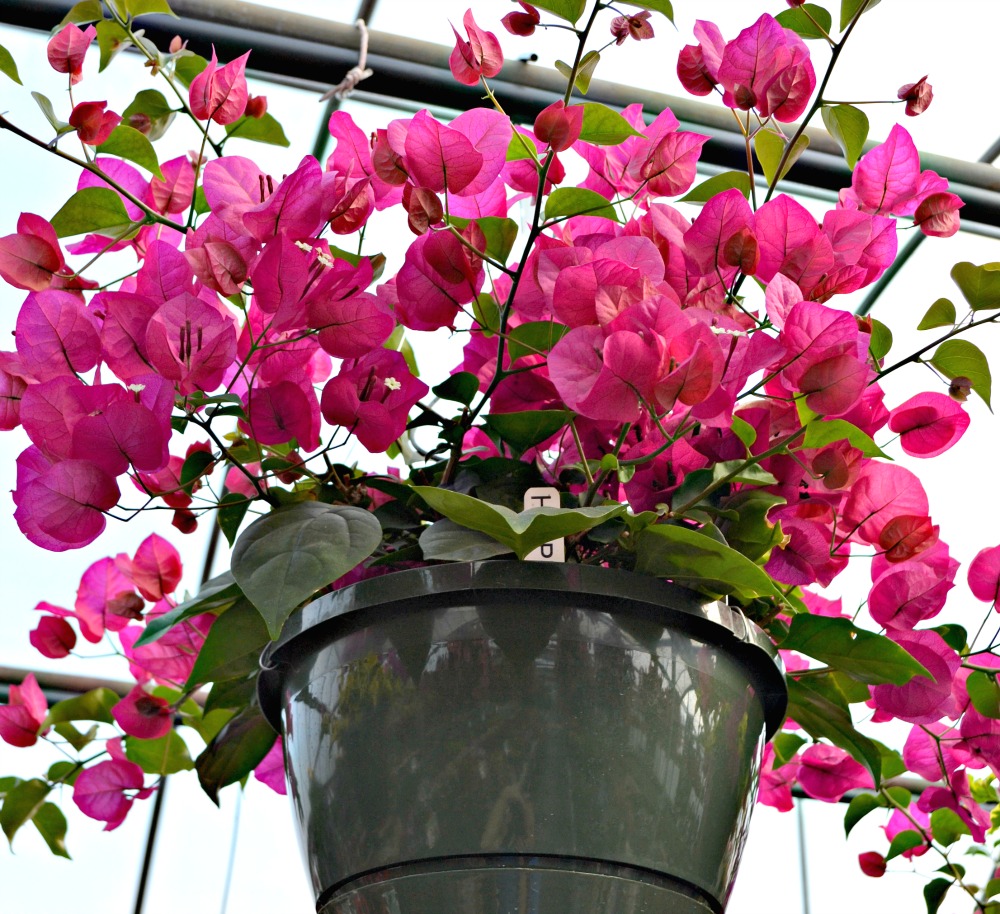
(447, 541)
(962, 359)
(717, 184)
(237, 749)
(232, 647)
(657, 6)
(258, 129)
(20, 804)
(936, 889)
(578, 201)
(534, 338)
(216, 594)
(284, 558)
(84, 11)
(166, 755)
(849, 127)
(859, 807)
(984, 694)
(807, 21)
(823, 718)
(524, 430)
(871, 658)
(849, 9)
(93, 209)
(979, 284)
(570, 10)
(127, 143)
(941, 314)
(111, 39)
(691, 558)
(904, 841)
(93, 705)
(821, 432)
(8, 66)
(770, 147)
(750, 532)
(51, 825)
(154, 106)
(143, 7)
(520, 531)
(604, 127)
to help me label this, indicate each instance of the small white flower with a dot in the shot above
(303, 246)
(725, 331)
(392, 384)
(324, 259)
(137, 388)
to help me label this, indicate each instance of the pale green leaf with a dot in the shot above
(941, 314)
(263, 129)
(979, 284)
(807, 21)
(770, 147)
(7, 65)
(849, 127)
(717, 184)
(127, 143)
(570, 10)
(93, 209)
(577, 201)
(657, 6)
(849, 9)
(447, 541)
(604, 127)
(962, 359)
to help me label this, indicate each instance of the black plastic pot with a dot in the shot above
(521, 738)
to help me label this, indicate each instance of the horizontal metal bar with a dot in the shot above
(315, 49)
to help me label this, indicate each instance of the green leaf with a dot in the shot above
(584, 73)
(904, 841)
(799, 22)
(45, 106)
(570, 10)
(232, 647)
(881, 340)
(821, 432)
(979, 284)
(219, 593)
(960, 358)
(459, 388)
(84, 11)
(166, 755)
(868, 657)
(565, 202)
(823, 718)
(258, 129)
(858, 808)
(751, 533)
(955, 636)
(446, 541)
(188, 67)
(520, 147)
(534, 338)
(20, 805)
(849, 9)
(486, 311)
(51, 825)
(604, 127)
(111, 38)
(520, 531)
(232, 511)
(849, 127)
(153, 105)
(284, 558)
(237, 749)
(744, 431)
(524, 430)
(74, 737)
(892, 765)
(941, 314)
(936, 889)
(717, 184)
(657, 6)
(984, 694)
(128, 143)
(770, 147)
(947, 827)
(143, 7)
(93, 705)
(500, 234)
(62, 772)
(785, 746)
(7, 65)
(93, 209)
(695, 560)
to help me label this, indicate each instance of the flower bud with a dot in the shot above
(559, 126)
(522, 24)
(256, 106)
(917, 96)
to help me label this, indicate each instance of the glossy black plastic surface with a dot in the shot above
(491, 736)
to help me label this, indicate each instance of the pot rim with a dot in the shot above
(583, 586)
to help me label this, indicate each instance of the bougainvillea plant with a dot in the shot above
(666, 351)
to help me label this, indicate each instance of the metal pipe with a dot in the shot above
(307, 47)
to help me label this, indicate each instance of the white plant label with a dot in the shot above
(545, 497)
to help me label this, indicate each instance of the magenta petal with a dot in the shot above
(828, 772)
(56, 335)
(155, 568)
(100, 791)
(984, 575)
(929, 424)
(440, 157)
(886, 178)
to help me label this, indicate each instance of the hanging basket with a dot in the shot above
(521, 738)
